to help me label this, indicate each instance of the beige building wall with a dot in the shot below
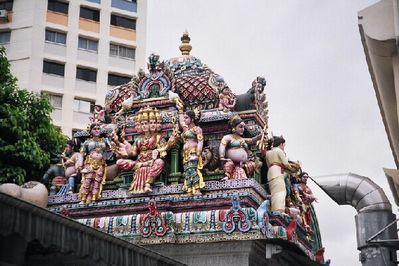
(379, 30)
(28, 48)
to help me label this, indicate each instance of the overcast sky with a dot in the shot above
(320, 94)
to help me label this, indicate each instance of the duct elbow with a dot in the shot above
(355, 190)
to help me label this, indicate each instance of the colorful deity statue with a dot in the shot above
(304, 195)
(94, 167)
(234, 151)
(148, 149)
(98, 114)
(278, 169)
(54, 178)
(192, 151)
(73, 162)
(227, 100)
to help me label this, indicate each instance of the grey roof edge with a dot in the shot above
(69, 235)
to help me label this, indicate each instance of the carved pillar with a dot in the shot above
(174, 167)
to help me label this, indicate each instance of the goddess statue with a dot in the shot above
(149, 149)
(93, 172)
(235, 153)
(192, 151)
(279, 166)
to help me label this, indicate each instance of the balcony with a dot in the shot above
(53, 81)
(87, 56)
(55, 49)
(56, 115)
(85, 88)
(80, 120)
(123, 33)
(121, 63)
(89, 25)
(57, 18)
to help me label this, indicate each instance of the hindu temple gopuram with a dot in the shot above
(179, 163)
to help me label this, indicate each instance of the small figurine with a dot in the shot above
(98, 114)
(54, 178)
(306, 199)
(227, 100)
(73, 164)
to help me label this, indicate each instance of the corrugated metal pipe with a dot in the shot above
(374, 212)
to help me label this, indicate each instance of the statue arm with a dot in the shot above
(134, 150)
(284, 160)
(222, 147)
(254, 139)
(181, 121)
(79, 160)
(200, 139)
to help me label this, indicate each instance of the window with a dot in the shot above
(115, 80)
(83, 106)
(57, 6)
(53, 68)
(86, 74)
(88, 13)
(88, 44)
(55, 37)
(55, 100)
(122, 51)
(7, 5)
(5, 37)
(123, 22)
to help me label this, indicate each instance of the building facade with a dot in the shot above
(379, 30)
(73, 50)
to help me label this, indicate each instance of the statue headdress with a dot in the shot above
(234, 121)
(197, 113)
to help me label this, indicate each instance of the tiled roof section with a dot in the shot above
(196, 90)
(195, 82)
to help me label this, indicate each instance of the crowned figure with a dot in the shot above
(148, 150)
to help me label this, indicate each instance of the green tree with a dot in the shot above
(27, 135)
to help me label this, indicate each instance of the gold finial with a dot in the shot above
(185, 46)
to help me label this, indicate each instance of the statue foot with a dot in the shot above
(225, 178)
(147, 188)
(197, 193)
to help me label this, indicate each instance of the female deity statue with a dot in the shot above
(148, 148)
(73, 163)
(192, 151)
(93, 172)
(278, 166)
(235, 153)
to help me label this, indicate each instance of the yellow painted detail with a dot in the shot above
(57, 18)
(123, 33)
(89, 25)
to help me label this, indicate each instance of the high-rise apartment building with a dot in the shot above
(73, 50)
